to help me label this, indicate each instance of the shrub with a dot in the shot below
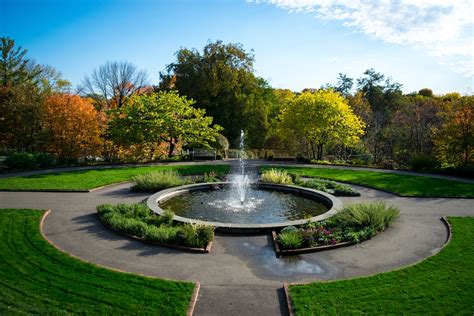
(423, 163)
(21, 161)
(290, 239)
(45, 160)
(376, 216)
(210, 177)
(276, 176)
(164, 234)
(339, 189)
(138, 220)
(155, 181)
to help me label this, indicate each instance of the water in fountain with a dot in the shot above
(241, 180)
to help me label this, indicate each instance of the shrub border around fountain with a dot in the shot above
(333, 204)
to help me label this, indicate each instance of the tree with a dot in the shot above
(71, 126)
(321, 118)
(161, 117)
(455, 137)
(113, 83)
(412, 126)
(344, 85)
(15, 68)
(221, 81)
(426, 92)
(20, 117)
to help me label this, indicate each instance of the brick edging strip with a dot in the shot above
(194, 298)
(289, 305)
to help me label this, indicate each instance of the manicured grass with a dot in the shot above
(405, 185)
(36, 278)
(90, 179)
(443, 284)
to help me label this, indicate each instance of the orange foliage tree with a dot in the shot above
(71, 125)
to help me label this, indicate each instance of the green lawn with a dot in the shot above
(35, 278)
(405, 185)
(443, 284)
(90, 179)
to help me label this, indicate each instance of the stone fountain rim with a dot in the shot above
(334, 205)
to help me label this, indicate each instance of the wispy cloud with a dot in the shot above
(442, 28)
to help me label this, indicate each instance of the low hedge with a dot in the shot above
(138, 220)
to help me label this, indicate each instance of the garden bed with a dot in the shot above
(291, 252)
(137, 221)
(206, 249)
(353, 224)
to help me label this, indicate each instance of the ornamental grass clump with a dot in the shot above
(276, 176)
(376, 216)
(159, 180)
(290, 239)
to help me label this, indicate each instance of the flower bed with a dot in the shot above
(355, 223)
(139, 222)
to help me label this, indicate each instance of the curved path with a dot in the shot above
(242, 275)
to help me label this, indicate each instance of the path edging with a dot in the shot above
(197, 285)
(286, 286)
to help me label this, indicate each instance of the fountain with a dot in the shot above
(243, 204)
(240, 181)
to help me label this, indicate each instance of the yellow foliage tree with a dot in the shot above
(320, 118)
(71, 125)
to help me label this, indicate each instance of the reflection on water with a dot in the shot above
(259, 207)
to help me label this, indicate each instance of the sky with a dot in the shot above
(297, 43)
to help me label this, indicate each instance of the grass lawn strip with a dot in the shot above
(401, 184)
(90, 179)
(442, 284)
(37, 278)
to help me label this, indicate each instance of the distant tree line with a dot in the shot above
(206, 97)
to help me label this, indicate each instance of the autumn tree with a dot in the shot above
(161, 117)
(455, 137)
(71, 126)
(321, 118)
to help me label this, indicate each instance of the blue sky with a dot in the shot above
(297, 43)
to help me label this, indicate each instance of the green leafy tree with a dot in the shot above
(222, 82)
(321, 118)
(161, 117)
(15, 67)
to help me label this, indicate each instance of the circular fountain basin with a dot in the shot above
(266, 207)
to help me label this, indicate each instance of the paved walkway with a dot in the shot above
(241, 276)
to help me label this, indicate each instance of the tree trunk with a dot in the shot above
(172, 146)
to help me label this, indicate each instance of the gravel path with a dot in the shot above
(241, 276)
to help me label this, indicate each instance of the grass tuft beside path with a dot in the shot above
(90, 179)
(443, 284)
(36, 278)
(402, 184)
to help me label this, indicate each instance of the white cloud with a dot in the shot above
(442, 28)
